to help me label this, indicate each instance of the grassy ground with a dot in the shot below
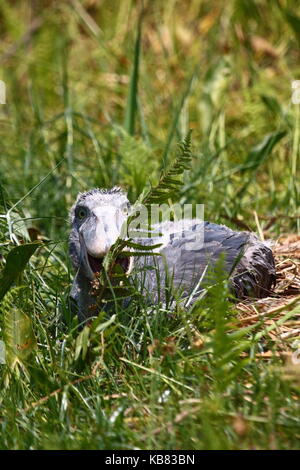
(89, 104)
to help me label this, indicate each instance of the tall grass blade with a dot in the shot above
(16, 262)
(294, 21)
(258, 155)
(176, 117)
(131, 107)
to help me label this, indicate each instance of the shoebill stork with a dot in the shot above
(97, 217)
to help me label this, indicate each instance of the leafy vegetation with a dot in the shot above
(98, 95)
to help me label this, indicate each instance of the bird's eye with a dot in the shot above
(82, 213)
(125, 210)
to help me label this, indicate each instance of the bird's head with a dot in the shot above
(96, 217)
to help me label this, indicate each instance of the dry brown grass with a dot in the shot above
(285, 298)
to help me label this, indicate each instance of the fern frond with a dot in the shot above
(168, 184)
(166, 188)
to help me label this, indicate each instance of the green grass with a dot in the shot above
(93, 102)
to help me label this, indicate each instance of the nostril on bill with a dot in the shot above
(105, 227)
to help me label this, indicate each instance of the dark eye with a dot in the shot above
(82, 213)
(125, 209)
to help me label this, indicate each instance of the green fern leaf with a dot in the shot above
(167, 187)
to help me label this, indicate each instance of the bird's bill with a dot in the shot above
(97, 235)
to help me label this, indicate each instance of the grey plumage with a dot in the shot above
(248, 262)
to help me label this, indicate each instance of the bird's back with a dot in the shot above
(190, 252)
